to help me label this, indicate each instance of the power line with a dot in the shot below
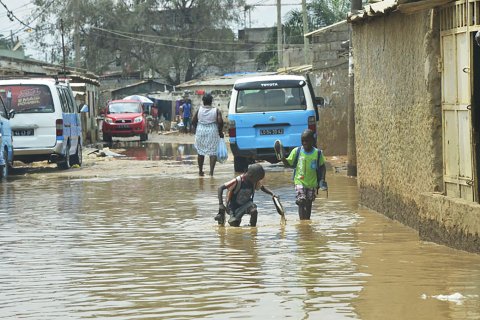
(178, 47)
(12, 16)
(31, 18)
(262, 3)
(183, 39)
(153, 37)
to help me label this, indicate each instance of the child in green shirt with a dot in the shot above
(309, 173)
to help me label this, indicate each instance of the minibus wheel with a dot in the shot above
(77, 158)
(65, 162)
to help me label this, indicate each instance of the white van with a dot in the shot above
(263, 109)
(47, 125)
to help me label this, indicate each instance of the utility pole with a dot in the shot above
(351, 144)
(279, 34)
(76, 33)
(63, 50)
(306, 41)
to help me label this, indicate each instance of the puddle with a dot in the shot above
(138, 150)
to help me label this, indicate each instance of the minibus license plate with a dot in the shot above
(28, 132)
(271, 131)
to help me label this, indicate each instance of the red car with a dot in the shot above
(124, 118)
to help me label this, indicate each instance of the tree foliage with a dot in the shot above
(176, 39)
(320, 13)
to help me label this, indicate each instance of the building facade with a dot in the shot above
(415, 118)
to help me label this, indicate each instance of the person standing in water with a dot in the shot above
(207, 125)
(309, 173)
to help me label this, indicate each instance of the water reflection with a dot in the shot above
(138, 150)
(148, 248)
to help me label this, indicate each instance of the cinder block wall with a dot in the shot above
(398, 113)
(330, 81)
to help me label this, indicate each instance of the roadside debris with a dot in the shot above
(105, 152)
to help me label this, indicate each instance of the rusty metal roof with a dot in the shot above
(384, 7)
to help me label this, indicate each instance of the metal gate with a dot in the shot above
(458, 154)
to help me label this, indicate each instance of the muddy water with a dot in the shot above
(148, 248)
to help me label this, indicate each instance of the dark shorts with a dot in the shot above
(246, 208)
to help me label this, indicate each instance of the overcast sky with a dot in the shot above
(263, 14)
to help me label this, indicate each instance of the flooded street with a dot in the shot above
(147, 247)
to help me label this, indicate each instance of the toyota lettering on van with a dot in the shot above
(273, 84)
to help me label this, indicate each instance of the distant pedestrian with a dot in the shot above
(186, 111)
(154, 114)
(309, 173)
(178, 104)
(207, 124)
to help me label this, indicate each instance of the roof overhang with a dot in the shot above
(297, 69)
(324, 29)
(384, 7)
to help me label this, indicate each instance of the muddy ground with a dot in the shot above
(98, 163)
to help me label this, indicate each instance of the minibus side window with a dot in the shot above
(63, 100)
(70, 106)
(71, 101)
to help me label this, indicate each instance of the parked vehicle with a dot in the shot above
(6, 143)
(263, 109)
(124, 118)
(47, 125)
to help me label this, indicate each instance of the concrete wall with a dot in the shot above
(293, 55)
(399, 129)
(398, 113)
(330, 80)
(254, 41)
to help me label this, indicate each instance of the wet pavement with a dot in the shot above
(148, 248)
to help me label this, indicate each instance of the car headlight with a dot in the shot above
(138, 119)
(108, 120)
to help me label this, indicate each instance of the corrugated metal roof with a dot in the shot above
(141, 82)
(374, 9)
(386, 6)
(218, 81)
(324, 29)
(296, 69)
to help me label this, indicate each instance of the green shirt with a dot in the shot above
(306, 170)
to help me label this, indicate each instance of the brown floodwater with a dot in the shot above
(148, 248)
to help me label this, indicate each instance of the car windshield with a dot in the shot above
(124, 107)
(271, 100)
(27, 98)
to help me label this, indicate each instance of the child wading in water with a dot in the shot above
(240, 196)
(309, 173)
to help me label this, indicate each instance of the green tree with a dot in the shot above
(177, 39)
(320, 13)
